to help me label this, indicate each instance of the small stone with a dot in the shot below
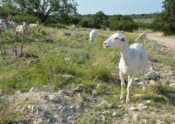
(133, 108)
(81, 96)
(61, 107)
(98, 85)
(136, 79)
(42, 114)
(103, 104)
(66, 76)
(18, 92)
(67, 59)
(102, 117)
(39, 121)
(106, 112)
(76, 89)
(136, 117)
(94, 93)
(54, 98)
(152, 76)
(138, 95)
(32, 108)
(148, 101)
(152, 82)
(34, 89)
(160, 122)
(45, 87)
(24, 109)
(172, 85)
(141, 106)
(70, 118)
(114, 114)
(78, 108)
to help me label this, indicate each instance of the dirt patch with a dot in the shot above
(168, 41)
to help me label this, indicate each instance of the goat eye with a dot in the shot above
(116, 38)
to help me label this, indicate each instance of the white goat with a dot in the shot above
(92, 36)
(12, 24)
(22, 29)
(3, 25)
(142, 37)
(121, 32)
(34, 24)
(73, 26)
(133, 60)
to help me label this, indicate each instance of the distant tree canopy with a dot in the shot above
(98, 20)
(119, 22)
(40, 9)
(166, 19)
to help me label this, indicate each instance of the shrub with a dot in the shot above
(86, 23)
(119, 22)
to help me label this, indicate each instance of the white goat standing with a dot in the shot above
(133, 61)
(3, 25)
(12, 24)
(121, 32)
(92, 36)
(142, 37)
(22, 29)
(34, 24)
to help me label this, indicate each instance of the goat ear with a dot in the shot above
(123, 39)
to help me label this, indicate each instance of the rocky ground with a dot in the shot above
(69, 106)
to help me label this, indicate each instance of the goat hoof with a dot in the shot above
(127, 100)
(121, 97)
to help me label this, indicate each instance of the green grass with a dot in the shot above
(144, 20)
(66, 55)
(8, 114)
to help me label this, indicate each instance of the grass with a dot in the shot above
(93, 66)
(8, 114)
(144, 20)
(66, 54)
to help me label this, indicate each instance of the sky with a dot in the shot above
(123, 7)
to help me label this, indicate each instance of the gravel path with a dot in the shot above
(168, 41)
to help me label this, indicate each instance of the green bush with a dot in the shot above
(86, 23)
(119, 22)
(165, 21)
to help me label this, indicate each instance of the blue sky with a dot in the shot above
(112, 7)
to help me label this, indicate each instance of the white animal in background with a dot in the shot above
(92, 36)
(134, 60)
(73, 26)
(3, 25)
(121, 32)
(34, 24)
(107, 29)
(12, 24)
(142, 37)
(22, 29)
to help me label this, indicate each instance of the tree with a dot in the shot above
(42, 9)
(119, 22)
(166, 19)
(9, 11)
(100, 19)
(86, 23)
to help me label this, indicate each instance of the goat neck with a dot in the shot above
(125, 53)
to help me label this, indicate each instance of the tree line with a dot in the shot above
(65, 12)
